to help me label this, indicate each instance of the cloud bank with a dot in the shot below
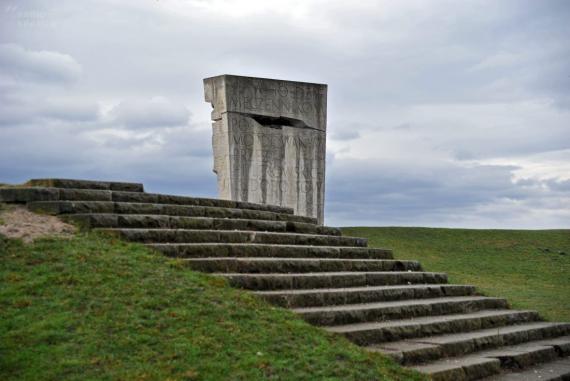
(441, 113)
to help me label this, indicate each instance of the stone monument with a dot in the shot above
(269, 139)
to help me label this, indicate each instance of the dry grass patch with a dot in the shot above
(19, 223)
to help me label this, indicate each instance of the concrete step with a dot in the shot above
(515, 357)
(354, 295)
(403, 309)
(31, 194)
(558, 370)
(127, 208)
(85, 184)
(330, 279)
(381, 332)
(561, 344)
(425, 349)
(524, 355)
(466, 368)
(153, 221)
(200, 250)
(232, 236)
(296, 265)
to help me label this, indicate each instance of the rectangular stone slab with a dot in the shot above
(269, 140)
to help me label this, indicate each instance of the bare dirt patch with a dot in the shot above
(18, 222)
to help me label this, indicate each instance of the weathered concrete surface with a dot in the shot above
(269, 139)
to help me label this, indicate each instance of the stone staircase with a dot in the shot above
(385, 305)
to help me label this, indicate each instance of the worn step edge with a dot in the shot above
(464, 369)
(523, 355)
(154, 221)
(414, 351)
(296, 265)
(395, 330)
(384, 311)
(199, 250)
(330, 279)
(511, 357)
(130, 208)
(369, 294)
(85, 184)
(29, 194)
(232, 236)
(558, 370)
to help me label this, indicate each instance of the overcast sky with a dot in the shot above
(441, 113)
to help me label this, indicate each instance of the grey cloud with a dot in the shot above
(171, 157)
(70, 110)
(41, 65)
(554, 185)
(403, 126)
(31, 88)
(156, 112)
(559, 185)
(29, 110)
(344, 135)
(453, 195)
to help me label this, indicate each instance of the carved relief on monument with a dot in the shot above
(269, 141)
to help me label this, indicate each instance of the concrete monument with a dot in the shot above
(269, 139)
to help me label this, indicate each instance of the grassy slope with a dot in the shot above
(92, 308)
(509, 263)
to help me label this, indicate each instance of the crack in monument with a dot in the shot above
(269, 146)
(277, 121)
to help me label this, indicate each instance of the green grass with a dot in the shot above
(94, 308)
(525, 266)
(4, 185)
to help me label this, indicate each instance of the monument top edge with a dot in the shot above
(263, 79)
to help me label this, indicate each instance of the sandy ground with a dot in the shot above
(18, 222)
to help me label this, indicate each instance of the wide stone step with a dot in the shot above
(558, 370)
(327, 280)
(295, 265)
(126, 208)
(354, 295)
(523, 355)
(29, 194)
(150, 221)
(201, 250)
(383, 311)
(515, 357)
(86, 184)
(466, 368)
(232, 236)
(425, 349)
(381, 332)
(561, 344)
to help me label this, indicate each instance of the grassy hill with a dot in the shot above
(531, 268)
(93, 308)
(96, 308)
